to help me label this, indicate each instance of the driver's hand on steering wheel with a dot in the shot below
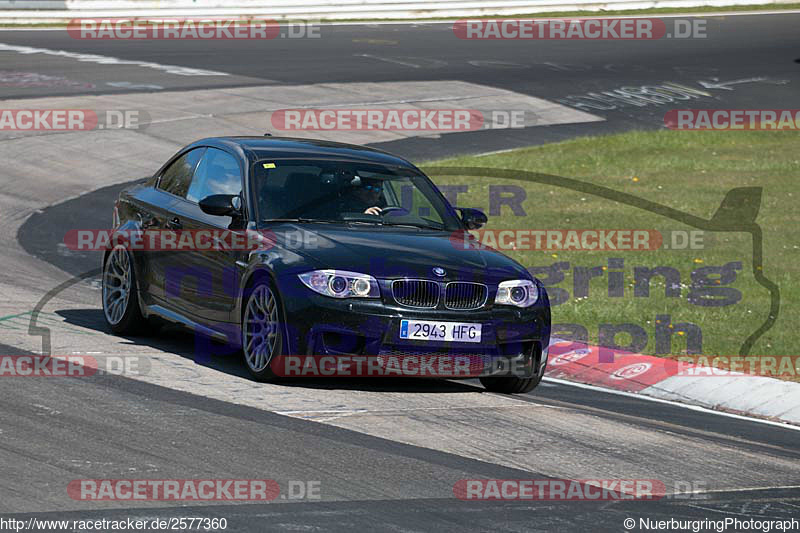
(373, 211)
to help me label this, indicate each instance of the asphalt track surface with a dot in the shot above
(386, 453)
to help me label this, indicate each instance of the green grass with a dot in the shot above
(688, 171)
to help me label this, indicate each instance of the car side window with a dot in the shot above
(217, 173)
(177, 177)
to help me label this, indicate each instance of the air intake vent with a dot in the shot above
(416, 292)
(463, 296)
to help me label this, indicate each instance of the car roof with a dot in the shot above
(256, 148)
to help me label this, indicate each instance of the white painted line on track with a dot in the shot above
(745, 489)
(409, 409)
(670, 402)
(108, 60)
(337, 414)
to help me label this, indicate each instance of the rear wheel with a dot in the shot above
(262, 338)
(510, 384)
(120, 293)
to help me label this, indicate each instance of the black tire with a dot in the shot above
(130, 321)
(262, 370)
(510, 384)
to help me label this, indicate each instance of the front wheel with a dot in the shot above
(120, 293)
(510, 384)
(262, 338)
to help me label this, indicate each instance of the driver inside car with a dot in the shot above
(364, 195)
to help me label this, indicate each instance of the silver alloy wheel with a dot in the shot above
(116, 285)
(260, 328)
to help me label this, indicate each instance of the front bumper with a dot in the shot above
(513, 341)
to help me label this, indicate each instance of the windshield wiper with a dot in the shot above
(370, 222)
(296, 219)
(410, 225)
(301, 220)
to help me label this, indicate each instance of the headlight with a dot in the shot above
(519, 292)
(341, 284)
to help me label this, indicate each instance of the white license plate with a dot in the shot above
(428, 330)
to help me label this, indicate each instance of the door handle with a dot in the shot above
(174, 223)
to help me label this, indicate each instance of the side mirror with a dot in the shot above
(222, 205)
(473, 218)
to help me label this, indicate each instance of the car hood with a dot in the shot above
(392, 252)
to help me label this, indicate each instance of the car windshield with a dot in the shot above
(349, 192)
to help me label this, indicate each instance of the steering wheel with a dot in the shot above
(392, 209)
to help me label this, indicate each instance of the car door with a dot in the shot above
(208, 277)
(171, 186)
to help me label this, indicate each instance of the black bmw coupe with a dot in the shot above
(356, 253)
